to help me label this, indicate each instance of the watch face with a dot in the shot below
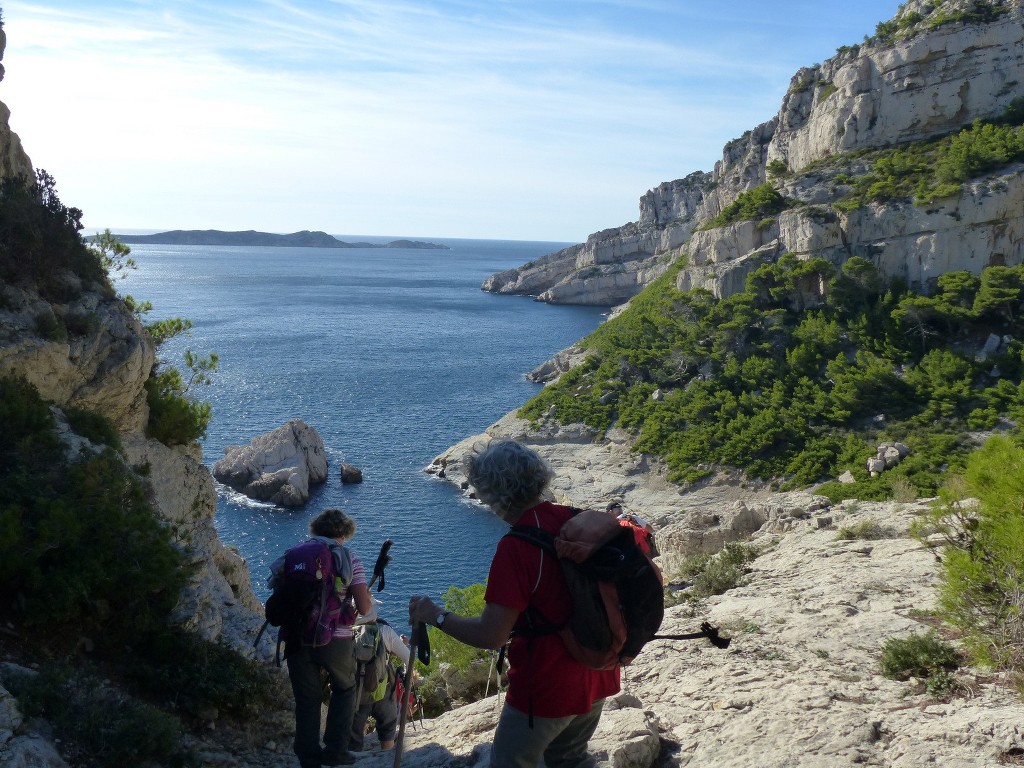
(440, 619)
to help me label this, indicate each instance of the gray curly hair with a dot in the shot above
(507, 476)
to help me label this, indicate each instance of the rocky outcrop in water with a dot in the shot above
(279, 466)
(934, 76)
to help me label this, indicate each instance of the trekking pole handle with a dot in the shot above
(383, 558)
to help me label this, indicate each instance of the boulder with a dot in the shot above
(351, 474)
(278, 466)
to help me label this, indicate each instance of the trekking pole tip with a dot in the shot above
(711, 632)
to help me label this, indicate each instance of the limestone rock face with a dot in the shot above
(565, 360)
(219, 602)
(13, 160)
(923, 86)
(801, 683)
(614, 264)
(924, 82)
(101, 364)
(278, 466)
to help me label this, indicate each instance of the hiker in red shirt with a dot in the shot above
(553, 703)
(643, 533)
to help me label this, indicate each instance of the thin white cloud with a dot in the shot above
(457, 118)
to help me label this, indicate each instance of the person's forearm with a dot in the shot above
(490, 629)
(472, 631)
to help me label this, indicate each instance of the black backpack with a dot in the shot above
(617, 591)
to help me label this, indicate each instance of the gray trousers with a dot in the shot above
(304, 669)
(562, 741)
(385, 715)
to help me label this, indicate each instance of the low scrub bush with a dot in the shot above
(94, 426)
(174, 419)
(97, 725)
(787, 379)
(49, 327)
(191, 674)
(82, 545)
(927, 171)
(176, 416)
(865, 529)
(718, 573)
(918, 656)
(755, 204)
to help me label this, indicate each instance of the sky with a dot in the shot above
(496, 119)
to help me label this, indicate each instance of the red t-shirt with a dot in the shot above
(542, 676)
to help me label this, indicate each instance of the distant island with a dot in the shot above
(303, 239)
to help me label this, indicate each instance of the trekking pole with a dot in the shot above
(360, 671)
(403, 706)
(706, 630)
(378, 567)
(487, 688)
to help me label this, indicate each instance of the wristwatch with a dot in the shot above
(440, 619)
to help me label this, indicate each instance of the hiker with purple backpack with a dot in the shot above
(326, 583)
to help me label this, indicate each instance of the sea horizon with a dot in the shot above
(89, 231)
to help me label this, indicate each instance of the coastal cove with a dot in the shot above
(391, 354)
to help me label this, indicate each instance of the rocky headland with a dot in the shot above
(938, 68)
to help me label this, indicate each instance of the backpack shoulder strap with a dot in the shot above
(342, 558)
(536, 536)
(342, 563)
(546, 542)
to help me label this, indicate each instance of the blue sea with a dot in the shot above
(392, 355)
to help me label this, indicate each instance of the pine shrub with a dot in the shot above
(918, 656)
(83, 547)
(787, 378)
(982, 591)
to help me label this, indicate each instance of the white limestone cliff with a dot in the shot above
(103, 370)
(926, 81)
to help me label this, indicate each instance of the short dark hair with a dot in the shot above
(613, 505)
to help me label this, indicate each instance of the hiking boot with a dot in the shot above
(345, 758)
